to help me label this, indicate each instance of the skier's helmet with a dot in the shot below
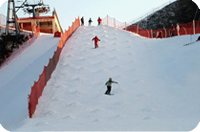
(110, 79)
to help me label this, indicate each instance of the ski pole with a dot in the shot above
(102, 88)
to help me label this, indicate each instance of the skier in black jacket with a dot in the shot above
(90, 21)
(109, 85)
(82, 21)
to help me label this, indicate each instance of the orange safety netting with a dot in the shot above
(183, 29)
(38, 87)
(180, 29)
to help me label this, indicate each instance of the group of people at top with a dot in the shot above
(95, 39)
(99, 20)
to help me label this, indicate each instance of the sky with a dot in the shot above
(121, 10)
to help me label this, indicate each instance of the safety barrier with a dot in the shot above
(180, 29)
(112, 22)
(38, 87)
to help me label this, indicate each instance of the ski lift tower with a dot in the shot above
(11, 19)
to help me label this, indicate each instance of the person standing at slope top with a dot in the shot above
(109, 85)
(82, 21)
(99, 21)
(96, 40)
(90, 22)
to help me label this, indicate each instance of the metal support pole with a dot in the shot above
(15, 21)
(7, 21)
(12, 19)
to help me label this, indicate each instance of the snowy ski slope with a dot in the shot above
(158, 85)
(17, 77)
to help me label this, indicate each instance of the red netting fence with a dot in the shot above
(38, 87)
(180, 29)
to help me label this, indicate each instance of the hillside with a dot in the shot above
(158, 85)
(180, 11)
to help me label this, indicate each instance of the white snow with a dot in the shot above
(19, 75)
(158, 85)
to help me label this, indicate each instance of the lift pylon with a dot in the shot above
(11, 19)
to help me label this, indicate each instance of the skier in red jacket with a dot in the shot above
(96, 40)
(99, 21)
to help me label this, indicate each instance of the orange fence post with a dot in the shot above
(194, 27)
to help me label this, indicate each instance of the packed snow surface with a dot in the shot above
(17, 77)
(158, 85)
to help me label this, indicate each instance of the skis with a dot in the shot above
(95, 48)
(189, 43)
(109, 94)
